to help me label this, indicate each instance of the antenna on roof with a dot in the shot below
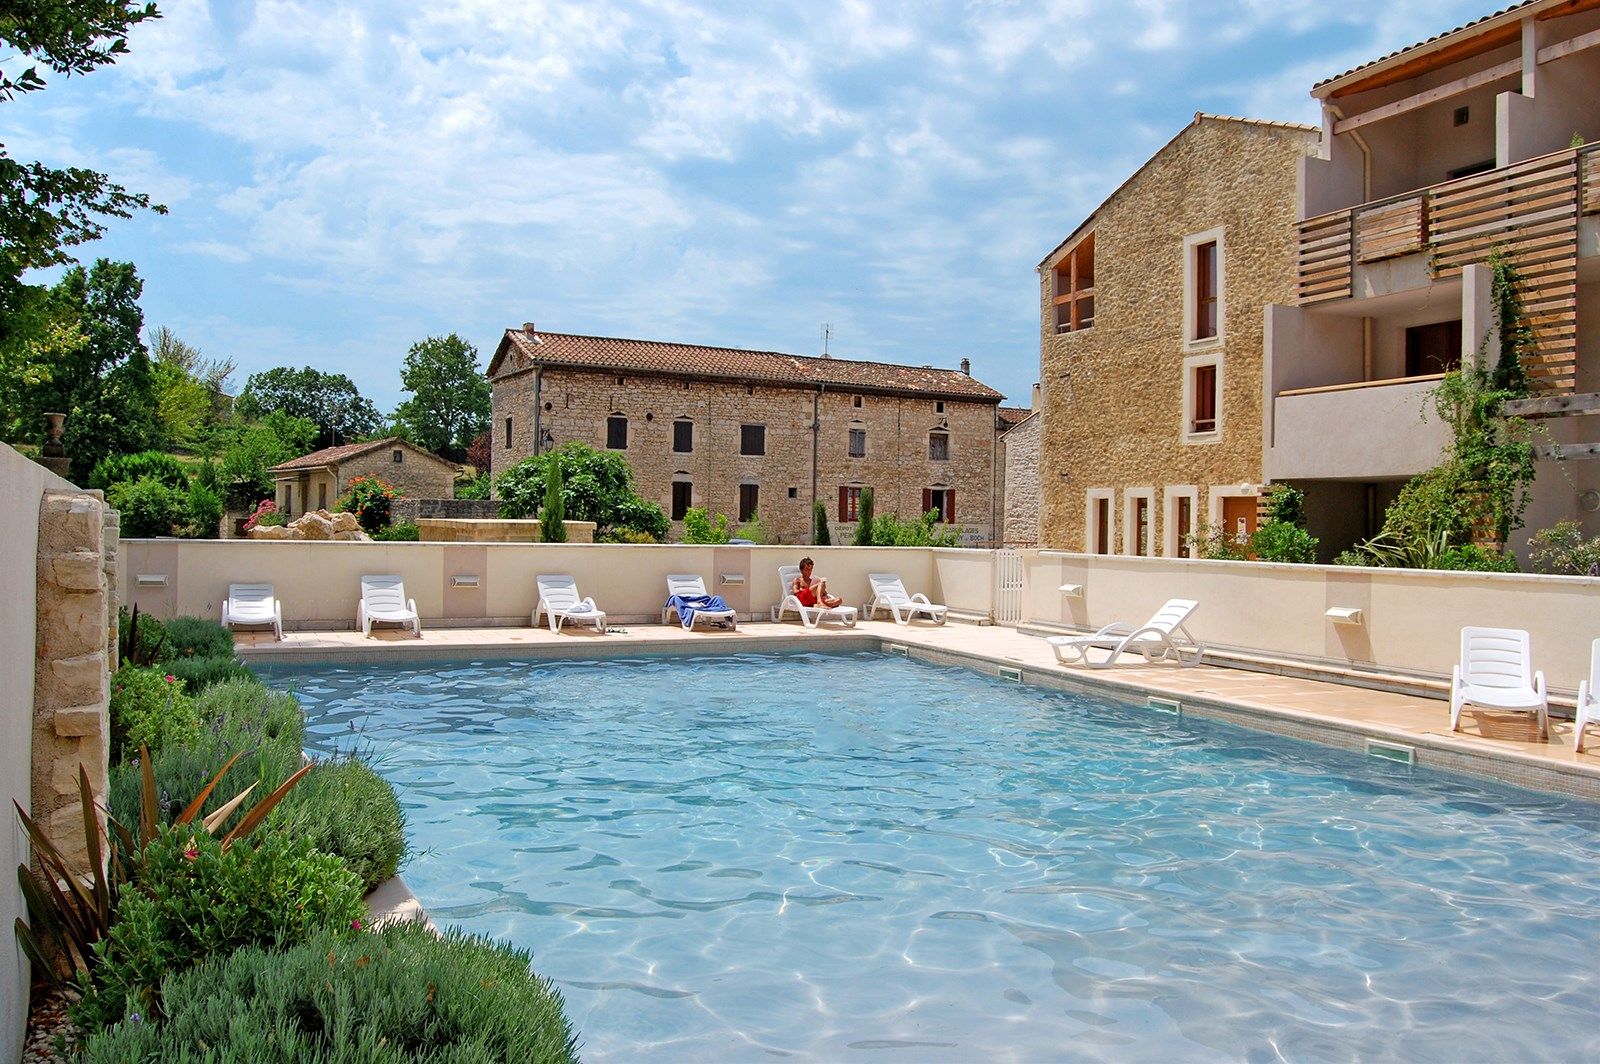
(827, 335)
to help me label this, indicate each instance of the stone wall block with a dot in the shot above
(76, 681)
(80, 570)
(78, 721)
(70, 521)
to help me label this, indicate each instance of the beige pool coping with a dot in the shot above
(1503, 746)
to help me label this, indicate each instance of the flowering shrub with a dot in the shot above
(368, 498)
(149, 706)
(266, 514)
(193, 899)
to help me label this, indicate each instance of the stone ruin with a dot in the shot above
(314, 524)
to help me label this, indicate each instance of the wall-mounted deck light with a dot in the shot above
(464, 580)
(150, 580)
(1071, 590)
(1345, 615)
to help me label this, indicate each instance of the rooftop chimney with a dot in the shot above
(527, 327)
(966, 366)
(1033, 399)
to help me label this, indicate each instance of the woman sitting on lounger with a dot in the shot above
(812, 592)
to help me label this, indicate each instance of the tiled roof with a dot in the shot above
(1422, 44)
(1013, 415)
(729, 363)
(334, 455)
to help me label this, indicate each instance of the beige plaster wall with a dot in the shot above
(1413, 619)
(319, 582)
(1113, 394)
(22, 483)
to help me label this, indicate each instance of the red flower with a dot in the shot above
(171, 678)
(191, 853)
(355, 925)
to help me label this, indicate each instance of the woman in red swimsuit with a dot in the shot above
(812, 592)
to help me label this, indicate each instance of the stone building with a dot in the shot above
(314, 481)
(1151, 317)
(756, 433)
(1019, 491)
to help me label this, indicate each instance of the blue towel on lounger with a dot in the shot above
(688, 605)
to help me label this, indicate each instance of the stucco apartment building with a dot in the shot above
(1430, 159)
(315, 481)
(756, 433)
(1151, 316)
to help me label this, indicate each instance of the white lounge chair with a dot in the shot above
(889, 593)
(559, 602)
(1496, 672)
(810, 616)
(252, 604)
(1154, 640)
(1588, 698)
(689, 585)
(383, 600)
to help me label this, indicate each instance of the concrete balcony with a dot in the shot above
(1372, 430)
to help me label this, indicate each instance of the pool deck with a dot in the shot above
(1504, 746)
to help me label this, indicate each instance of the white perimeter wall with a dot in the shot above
(22, 484)
(1412, 619)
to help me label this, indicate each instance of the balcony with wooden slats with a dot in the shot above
(1528, 212)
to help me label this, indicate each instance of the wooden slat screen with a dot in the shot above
(1391, 230)
(1528, 212)
(1324, 262)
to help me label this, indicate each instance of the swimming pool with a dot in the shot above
(833, 856)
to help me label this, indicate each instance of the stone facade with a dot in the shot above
(315, 481)
(1019, 449)
(76, 642)
(1117, 420)
(797, 466)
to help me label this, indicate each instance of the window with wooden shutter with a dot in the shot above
(753, 439)
(682, 498)
(858, 443)
(682, 437)
(938, 446)
(941, 501)
(749, 501)
(849, 503)
(616, 433)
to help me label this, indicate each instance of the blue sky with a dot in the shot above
(345, 178)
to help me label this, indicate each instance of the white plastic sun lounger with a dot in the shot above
(1154, 640)
(559, 602)
(689, 585)
(253, 604)
(810, 616)
(889, 593)
(383, 600)
(1588, 698)
(1496, 672)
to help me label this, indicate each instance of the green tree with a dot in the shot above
(864, 527)
(700, 525)
(595, 486)
(102, 379)
(820, 536)
(191, 390)
(43, 210)
(449, 404)
(552, 519)
(242, 475)
(330, 401)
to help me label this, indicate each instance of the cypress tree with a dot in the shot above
(552, 521)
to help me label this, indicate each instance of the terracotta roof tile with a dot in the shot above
(1014, 415)
(1421, 44)
(728, 363)
(334, 455)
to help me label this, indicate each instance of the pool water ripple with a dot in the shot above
(860, 856)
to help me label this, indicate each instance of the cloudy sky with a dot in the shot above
(346, 178)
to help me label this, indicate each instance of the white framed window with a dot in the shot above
(1099, 520)
(1180, 519)
(1204, 287)
(1139, 522)
(1202, 398)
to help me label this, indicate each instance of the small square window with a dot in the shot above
(616, 433)
(855, 401)
(397, 456)
(752, 439)
(621, 381)
(794, 493)
(938, 407)
(858, 443)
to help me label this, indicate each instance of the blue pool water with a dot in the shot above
(863, 857)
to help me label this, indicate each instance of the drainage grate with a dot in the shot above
(1400, 755)
(1163, 705)
(1014, 675)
